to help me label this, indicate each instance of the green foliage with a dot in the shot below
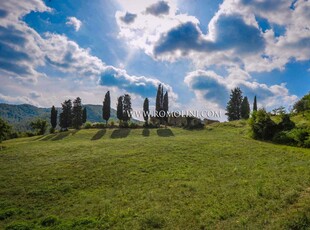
(53, 117)
(119, 110)
(65, 117)
(262, 126)
(286, 123)
(77, 113)
(245, 108)
(146, 110)
(5, 130)
(127, 108)
(255, 104)
(233, 107)
(84, 115)
(18, 226)
(88, 125)
(303, 104)
(106, 109)
(39, 126)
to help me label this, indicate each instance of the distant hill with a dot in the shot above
(20, 116)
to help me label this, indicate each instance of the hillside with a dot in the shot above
(20, 116)
(216, 178)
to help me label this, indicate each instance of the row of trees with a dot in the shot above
(238, 107)
(72, 115)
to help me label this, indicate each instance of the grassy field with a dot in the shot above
(216, 178)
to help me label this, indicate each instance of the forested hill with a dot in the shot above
(20, 116)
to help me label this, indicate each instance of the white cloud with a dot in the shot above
(238, 49)
(73, 21)
(215, 89)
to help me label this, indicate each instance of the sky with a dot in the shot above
(199, 50)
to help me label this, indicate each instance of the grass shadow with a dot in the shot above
(61, 136)
(165, 132)
(99, 135)
(146, 132)
(120, 133)
(48, 137)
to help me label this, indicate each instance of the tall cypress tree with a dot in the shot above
(159, 103)
(245, 108)
(84, 115)
(234, 105)
(65, 118)
(106, 109)
(77, 113)
(166, 106)
(53, 117)
(146, 110)
(119, 109)
(255, 104)
(127, 107)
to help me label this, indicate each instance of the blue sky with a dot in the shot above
(199, 50)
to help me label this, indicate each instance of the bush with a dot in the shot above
(263, 127)
(87, 125)
(286, 123)
(284, 137)
(133, 125)
(52, 130)
(112, 124)
(98, 125)
(39, 125)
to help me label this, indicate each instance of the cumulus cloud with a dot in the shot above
(140, 85)
(212, 87)
(128, 18)
(73, 21)
(158, 8)
(235, 35)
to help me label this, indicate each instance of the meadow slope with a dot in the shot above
(157, 178)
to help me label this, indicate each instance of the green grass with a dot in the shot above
(150, 179)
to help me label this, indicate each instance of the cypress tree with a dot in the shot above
(255, 104)
(53, 117)
(65, 118)
(234, 105)
(159, 104)
(119, 109)
(245, 108)
(146, 110)
(77, 113)
(106, 109)
(166, 106)
(127, 107)
(84, 115)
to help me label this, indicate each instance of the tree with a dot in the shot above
(65, 118)
(84, 117)
(255, 104)
(146, 110)
(127, 107)
(159, 100)
(5, 130)
(119, 109)
(39, 125)
(166, 106)
(77, 113)
(262, 126)
(53, 117)
(245, 108)
(234, 105)
(106, 109)
(286, 123)
(303, 104)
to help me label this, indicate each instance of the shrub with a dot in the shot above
(284, 137)
(286, 123)
(133, 125)
(52, 130)
(87, 125)
(98, 125)
(262, 126)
